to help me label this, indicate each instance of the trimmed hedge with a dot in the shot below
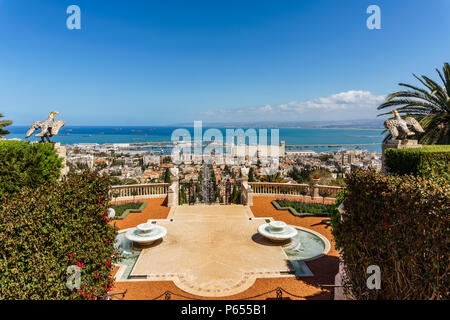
(27, 164)
(432, 160)
(123, 209)
(304, 209)
(43, 231)
(401, 224)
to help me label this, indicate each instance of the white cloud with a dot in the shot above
(353, 104)
(339, 101)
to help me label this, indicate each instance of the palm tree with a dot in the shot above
(4, 123)
(275, 177)
(430, 106)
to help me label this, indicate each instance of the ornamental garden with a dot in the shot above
(64, 235)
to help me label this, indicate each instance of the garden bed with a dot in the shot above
(304, 209)
(123, 209)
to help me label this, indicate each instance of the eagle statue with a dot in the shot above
(49, 127)
(400, 128)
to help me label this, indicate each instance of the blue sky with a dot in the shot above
(165, 62)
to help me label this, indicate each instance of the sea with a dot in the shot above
(291, 136)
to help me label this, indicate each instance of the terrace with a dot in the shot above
(215, 252)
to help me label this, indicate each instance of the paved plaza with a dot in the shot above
(211, 251)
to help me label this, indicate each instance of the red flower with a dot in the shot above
(96, 276)
(108, 263)
(386, 224)
(80, 264)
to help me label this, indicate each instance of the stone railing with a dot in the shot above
(306, 191)
(139, 191)
(280, 188)
(246, 192)
(328, 191)
(249, 190)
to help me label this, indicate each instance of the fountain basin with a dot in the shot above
(277, 231)
(146, 233)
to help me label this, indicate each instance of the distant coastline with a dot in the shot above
(358, 124)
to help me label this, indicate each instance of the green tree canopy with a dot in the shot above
(4, 123)
(251, 175)
(27, 165)
(166, 177)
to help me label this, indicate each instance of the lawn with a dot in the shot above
(299, 208)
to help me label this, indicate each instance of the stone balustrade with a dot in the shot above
(249, 190)
(139, 191)
(315, 192)
(280, 188)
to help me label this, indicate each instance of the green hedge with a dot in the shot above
(25, 164)
(304, 209)
(123, 209)
(43, 231)
(427, 161)
(401, 224)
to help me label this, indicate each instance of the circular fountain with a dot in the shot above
(146, 233)
(277, 231)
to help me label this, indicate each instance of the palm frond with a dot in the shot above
(429, 106)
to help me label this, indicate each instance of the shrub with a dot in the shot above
(43, 231)
(304, 191)
(123, 209)
(324, 193)
(24, 164)
(166, 176)
(428, 161)
(401, 224)
(304, 208)
(335, 214)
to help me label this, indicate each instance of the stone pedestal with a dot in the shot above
(62, 153)
(397, 144)
(246, 192)
(316, 195)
